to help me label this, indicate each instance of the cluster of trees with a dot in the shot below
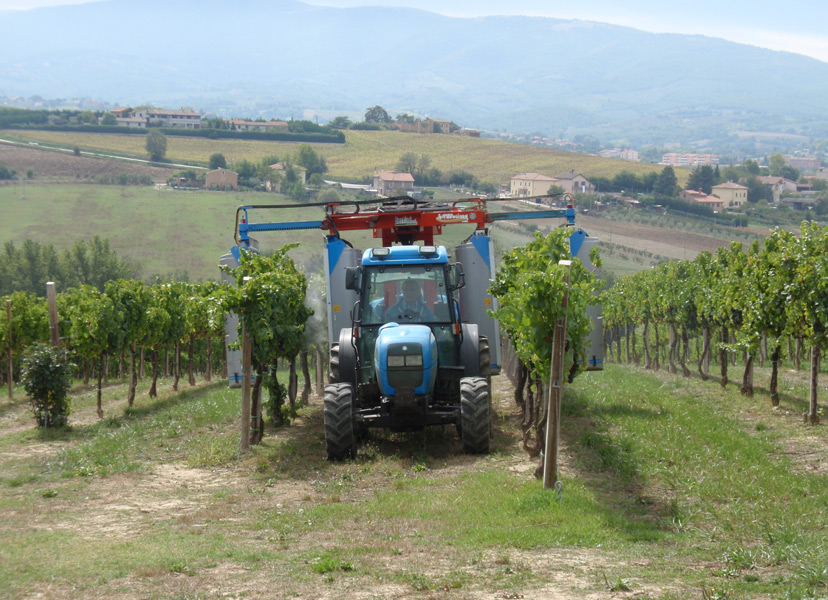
(128, 319)
(766, 301)
(294, 126)
(663, 184)
(419, 165)
(27, 268)
(252, 175)
(124, 320)
(376, 117)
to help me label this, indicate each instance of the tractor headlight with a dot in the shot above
(396, 360)
(414, 360)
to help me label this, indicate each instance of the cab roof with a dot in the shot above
(408, 255)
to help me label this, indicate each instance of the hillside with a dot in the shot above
(364, 153)
(519, 74)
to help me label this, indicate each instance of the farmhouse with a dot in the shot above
(732, 194)
(530, 184)
(186, 118)
(702, 198)
(221, 179)
(574, 183)
(387, 182)
(778, 186)
(242, 125)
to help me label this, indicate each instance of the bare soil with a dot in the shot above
(54, 164)
(174, 495)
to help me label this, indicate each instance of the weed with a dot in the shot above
(329, 564)
(740, 558)
(813, 576)
(717, 594)
(620, 585)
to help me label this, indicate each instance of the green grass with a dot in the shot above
(668, 484)
(172, 232)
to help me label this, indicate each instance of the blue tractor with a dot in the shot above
(412, 339)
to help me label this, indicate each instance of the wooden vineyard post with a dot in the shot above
(11, 364)
(553, 413)
(247, 351)
(54, 328)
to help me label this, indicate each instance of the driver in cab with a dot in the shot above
(411, 307)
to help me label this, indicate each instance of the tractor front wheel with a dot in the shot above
(475, 416)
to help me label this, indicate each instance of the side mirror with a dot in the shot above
(457, 278)
(353, 278)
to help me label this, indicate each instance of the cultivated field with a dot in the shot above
(65, 166)
(364, 153)
(672, 489)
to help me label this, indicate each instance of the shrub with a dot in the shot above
(47, 378)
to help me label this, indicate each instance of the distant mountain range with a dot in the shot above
(283, 58)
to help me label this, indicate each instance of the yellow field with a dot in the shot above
(365, 152)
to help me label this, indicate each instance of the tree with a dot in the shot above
(757, 190)
(109, 119)
(625, 181)
(310, 160)
(217, 161)
(790, 172)
(377, 114)
(340, 123)
(702, 179)
(751, 166)
(423, 163)
(775, 164)
(328, 196)
(156, 144)
(666, 183)
(407, 163)
(87, 117)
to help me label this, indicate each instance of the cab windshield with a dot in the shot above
(409, 294)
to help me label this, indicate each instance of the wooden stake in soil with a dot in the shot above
(51, 297)
(553, 414)
(11, 364)
(247, 352)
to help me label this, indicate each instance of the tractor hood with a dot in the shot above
(405, 356)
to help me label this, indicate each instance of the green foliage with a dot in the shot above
(156, 144)
(109, 119)
(665, 184)
(377, 114)
(310, 160)
(271, 306)
(530, 288)
(6, 173)
(217, 161)
(91, 262)
(702, 179)
(29, 322)
(46, 376)
(407, 163)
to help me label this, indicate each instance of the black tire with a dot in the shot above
(333, 364)
(475, 416)
(340, 438)
(485, 361)
(485, 370)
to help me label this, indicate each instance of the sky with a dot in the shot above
(793, 26)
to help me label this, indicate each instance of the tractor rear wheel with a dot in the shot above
(475, 416)
(333, 364)
(340, 438)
